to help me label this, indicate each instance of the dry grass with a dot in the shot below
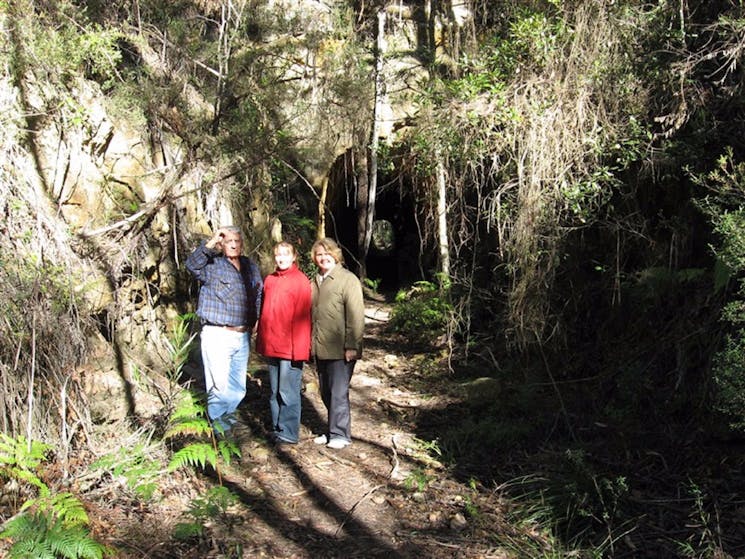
(529, 160)
(42, 332)
(568, 116)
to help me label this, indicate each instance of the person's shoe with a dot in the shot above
(321, 439)
(280, 441)
(338, 444)
(241, 433)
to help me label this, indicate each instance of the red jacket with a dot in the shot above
(284, 324)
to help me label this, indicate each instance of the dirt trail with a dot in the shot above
(367, 500)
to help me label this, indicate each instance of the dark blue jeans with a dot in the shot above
(334, 376)
(285, 379)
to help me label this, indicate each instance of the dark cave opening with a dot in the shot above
(398, 264)
(393, 264)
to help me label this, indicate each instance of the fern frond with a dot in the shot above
(228, 449)
(75, 543)
(194, 426)
(31, 550)
(145, 491)
(40, 536)
(57, 526)
(188, 406)
(222, 498)
(64, 541)
(29, 477)
(18, 452)
(197, 454)
(67, 508)
(24, 527)
(179, 345)
(188, 530)
(139, 471)
(88, 548)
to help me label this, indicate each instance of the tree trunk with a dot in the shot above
(366, 214)
(362, 173)
(321, 229)
(442, 223)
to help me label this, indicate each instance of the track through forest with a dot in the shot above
(383, 496)
(387, 495)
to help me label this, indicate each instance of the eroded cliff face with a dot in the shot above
(126, 189)
(119, 207)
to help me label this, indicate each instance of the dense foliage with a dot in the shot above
(592, 163)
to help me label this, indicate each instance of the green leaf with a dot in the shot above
(197, 454)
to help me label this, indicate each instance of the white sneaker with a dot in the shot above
(321, 439)
(337, 444)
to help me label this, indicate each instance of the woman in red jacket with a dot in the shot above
(283, 337)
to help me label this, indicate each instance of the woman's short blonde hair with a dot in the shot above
(285, 244)
(330, 246)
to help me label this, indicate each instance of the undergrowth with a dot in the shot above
(189, 422)
(215, 506)
(54, 524)
(421, 313)
(49, 525)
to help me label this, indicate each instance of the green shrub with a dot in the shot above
(51, 525)
(729, 378)
(421, 313)
(725, 194)
(214, 507)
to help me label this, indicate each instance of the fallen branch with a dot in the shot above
(351, 510)
(394, 470)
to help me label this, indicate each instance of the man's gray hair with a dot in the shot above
(233, 229)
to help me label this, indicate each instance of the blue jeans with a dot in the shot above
(334, 376)
(225, 357)
(285, 379)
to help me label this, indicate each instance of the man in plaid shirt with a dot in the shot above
(229, 305)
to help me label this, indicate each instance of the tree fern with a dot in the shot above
(195, 454)
(42, 536)
(63, 506)
(140, 472)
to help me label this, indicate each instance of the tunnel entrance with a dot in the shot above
(395, 258)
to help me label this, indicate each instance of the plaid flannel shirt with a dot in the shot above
(227, 297)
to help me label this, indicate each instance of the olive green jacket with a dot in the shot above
(338, 312)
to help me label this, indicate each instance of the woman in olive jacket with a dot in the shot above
(338, 312)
